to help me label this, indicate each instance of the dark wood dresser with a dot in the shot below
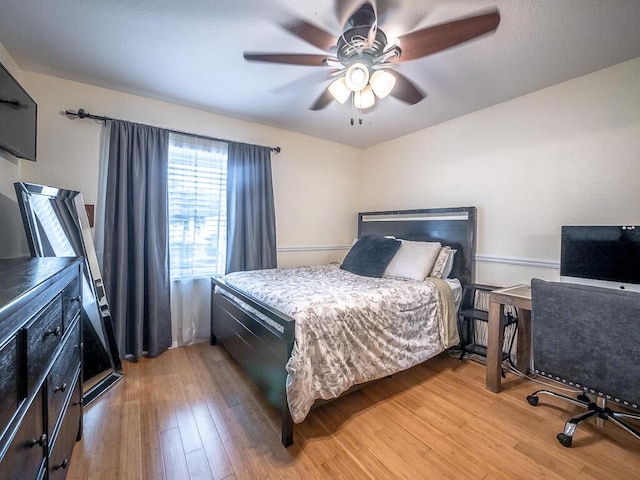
(40, 366)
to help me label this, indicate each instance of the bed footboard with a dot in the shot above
(260, 349)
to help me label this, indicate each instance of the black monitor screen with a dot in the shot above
(610, 253)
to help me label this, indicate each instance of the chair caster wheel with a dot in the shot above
(533, 400)
(564, 439)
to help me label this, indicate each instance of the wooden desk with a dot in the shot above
(520, 297)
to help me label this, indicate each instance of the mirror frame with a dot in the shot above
(95, 308)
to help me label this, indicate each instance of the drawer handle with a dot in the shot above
(40, 441)
(52, 331)
(61, 388)
(76, 299)
(63, 465)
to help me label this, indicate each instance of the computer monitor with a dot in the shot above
(601, 255)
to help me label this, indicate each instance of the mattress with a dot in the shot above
(352, 329)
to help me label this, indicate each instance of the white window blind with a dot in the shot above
(197, 187)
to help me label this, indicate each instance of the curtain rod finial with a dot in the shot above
(81, 113)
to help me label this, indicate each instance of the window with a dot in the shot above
(197, 187)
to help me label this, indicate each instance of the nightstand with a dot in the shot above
(473, 317)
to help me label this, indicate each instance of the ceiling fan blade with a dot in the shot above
(322, 101)
(288, 58)
(311, 34)
(344, 9)
(387, 9)
(435, 39)
(374, 25)
(356, 13)
(317, 76)
(405, 89)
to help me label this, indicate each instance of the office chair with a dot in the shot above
(587, 338)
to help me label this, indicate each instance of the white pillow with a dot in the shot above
(413, 260)
(444, 263)
(449, 265)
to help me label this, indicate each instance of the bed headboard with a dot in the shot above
(455, 227)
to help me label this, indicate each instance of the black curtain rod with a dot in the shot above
(84, 114)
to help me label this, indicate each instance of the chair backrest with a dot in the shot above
(589, 336)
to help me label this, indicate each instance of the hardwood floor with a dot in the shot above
(192, 414)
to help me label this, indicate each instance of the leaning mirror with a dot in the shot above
(56, 225)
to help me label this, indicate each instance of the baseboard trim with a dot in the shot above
(519, 262)
(514, 261)
(313, 248)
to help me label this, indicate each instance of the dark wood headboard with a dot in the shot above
(455, 227)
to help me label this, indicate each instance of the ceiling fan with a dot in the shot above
(363, 59)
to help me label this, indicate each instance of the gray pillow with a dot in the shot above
(370, 255)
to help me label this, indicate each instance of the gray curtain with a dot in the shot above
(251, 220)
(136, 251)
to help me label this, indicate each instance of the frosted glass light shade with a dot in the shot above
(382, 82)
(356, 77)
(339, 90)
(364, 98)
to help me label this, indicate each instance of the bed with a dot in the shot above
(272, 332)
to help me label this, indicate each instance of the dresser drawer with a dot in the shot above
(43, 335)
(60, 455)
(8, 382)
(62, 374)
(40, 364)
(25, 454)
(71, 300)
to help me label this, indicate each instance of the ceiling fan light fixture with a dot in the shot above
(382, 82)
(356, 77)
(364, 98)
(339, 90)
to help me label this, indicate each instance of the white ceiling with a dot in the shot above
(190, 52)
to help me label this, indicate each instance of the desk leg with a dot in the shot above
(523, 353)
(495, 339)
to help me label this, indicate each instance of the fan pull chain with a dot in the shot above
(355, 112)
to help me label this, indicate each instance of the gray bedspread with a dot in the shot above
(351, 329)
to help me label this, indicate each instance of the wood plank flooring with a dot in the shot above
(192, 414)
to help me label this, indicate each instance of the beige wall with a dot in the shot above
(315, 181)
(569, 154)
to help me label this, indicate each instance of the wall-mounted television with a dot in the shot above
(18, 118)
(602, 255)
